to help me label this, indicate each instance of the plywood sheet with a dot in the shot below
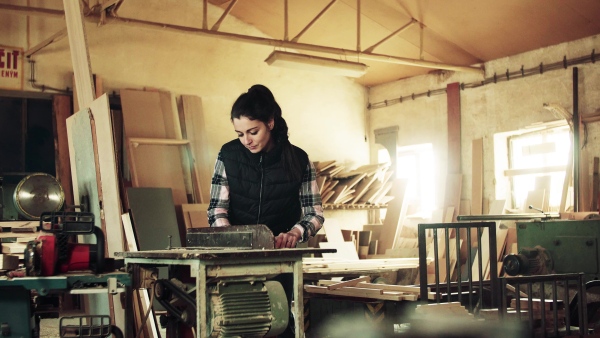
(111, 202)
(195, 132)
(154, 218)
(395, 214)
(195, 215)
(142, 114)
(87, 141)
(477, 178)
(159, 166)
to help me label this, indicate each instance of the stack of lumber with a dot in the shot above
(440, 310)
(362, 288)
(368, 184)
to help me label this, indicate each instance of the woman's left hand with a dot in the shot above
(288, 239)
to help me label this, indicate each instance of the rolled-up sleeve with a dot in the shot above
(312, 208)
(218, 206)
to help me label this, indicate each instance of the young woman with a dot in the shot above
(261, 178)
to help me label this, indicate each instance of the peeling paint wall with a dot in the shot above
(492, 108)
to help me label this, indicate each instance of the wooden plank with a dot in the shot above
(452, 193)
(396, 212)
(567, 181)
(454, 141)
(194, 129)
(79, 53)
(111, 202)
(352, 282)
(595, 186)
(61, 110)
(345, 250)
(195, 215)
(140, 296)
(477, 178)
(362, 187)
(83, 154)
(8, 262)
(159, 165)
(154, 166)
(142, 114)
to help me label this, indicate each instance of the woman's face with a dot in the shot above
(254, 134)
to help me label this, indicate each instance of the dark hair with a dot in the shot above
(259, 104)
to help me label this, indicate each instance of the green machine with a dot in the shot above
(25, 300)
(556, 246)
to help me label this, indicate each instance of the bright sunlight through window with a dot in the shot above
(417, 165)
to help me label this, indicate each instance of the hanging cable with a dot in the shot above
(521, 73)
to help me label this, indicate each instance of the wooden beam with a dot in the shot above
(477, 177)
(55, 37)
(454, 151)
(25, 10)
(216, 26)
(397, 31)
(79, 53)
(312, 22)
(61, 110)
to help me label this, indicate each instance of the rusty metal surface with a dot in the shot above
(208, 254)
(255, 236)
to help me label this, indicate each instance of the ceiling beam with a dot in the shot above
(295, 39)
(216, 26)
(358, 25)
(256, 40)
(397, 31)
(55, 37)
(33, 11)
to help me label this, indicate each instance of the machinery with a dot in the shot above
(557, 246)
(53, 253)
(238, 287)
(55, 267)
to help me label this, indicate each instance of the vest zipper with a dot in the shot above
(262, 172)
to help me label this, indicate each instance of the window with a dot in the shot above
(416, 163)
(535, 166)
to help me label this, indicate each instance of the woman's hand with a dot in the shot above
(288, 239)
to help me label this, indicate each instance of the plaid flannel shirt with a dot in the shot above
(310, 201)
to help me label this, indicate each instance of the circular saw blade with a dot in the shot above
(38, 193)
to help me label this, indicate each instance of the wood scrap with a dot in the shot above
(394, 217)
(350, 187)
(352, 282)
(8, 262)
(359, 292)
(441, 309)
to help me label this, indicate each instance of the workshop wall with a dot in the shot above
(490, 109)
(325, 113)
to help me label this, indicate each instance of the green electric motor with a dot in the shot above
(248, 308)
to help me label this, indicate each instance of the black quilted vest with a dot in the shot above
(259, 190)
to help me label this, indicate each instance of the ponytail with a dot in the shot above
(259, 104)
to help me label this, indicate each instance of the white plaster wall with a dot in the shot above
(492, 108)
(326, 114)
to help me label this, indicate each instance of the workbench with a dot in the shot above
(227, 263)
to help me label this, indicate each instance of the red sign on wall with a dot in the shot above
(11, 68)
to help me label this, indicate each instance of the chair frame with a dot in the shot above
(469, 283)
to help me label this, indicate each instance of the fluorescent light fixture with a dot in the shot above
(315, 63)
